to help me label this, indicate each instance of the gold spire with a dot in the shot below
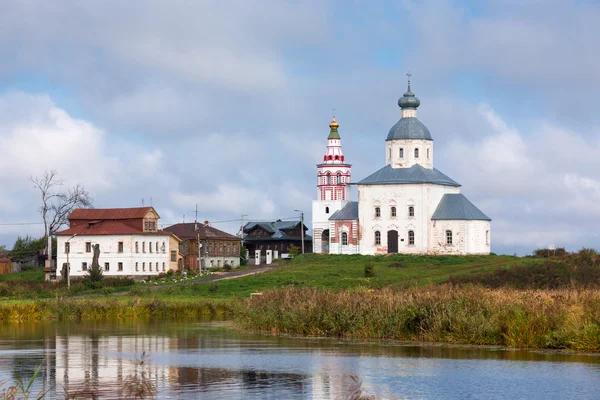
(334, 124)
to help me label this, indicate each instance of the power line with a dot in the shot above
(21, 223)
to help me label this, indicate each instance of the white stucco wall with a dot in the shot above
(109, 254)
(468, 237)
(320, 218)
(423, 197)
(392, 153)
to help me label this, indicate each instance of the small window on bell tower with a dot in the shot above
(339, 178)
(401, 152)
(416, 153)
(326, 210)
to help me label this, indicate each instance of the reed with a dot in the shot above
(560, 319)
(110, 309)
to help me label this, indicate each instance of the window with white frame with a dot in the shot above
(416, 153)
(84, 266)
(449, 237)
(401, 152)
(377, 212)
(106, 266)
(120, 266)
(411, 211)
(393, 211)
(377, 238)
(339, 178)
(411, 238)
(344, 239)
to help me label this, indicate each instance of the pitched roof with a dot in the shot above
(456, 206)
(110, 213)
(108, 227)
(275, 229)
(409, 128)
(415, 174)
(348, 212)
(187, 230)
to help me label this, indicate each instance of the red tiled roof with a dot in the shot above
(108, 228)
(188, 231)
(110, 213)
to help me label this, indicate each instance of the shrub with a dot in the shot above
(293, 250)
(95, 273)
(4, 289)
(227, 267)
(369, 269)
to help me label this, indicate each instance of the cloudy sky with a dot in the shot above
(226, 104)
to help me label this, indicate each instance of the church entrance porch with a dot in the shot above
(392, 241)
(325, 242)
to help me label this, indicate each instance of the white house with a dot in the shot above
(408, 206)
(130, 243)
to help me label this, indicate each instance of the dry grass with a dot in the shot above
(564, 319)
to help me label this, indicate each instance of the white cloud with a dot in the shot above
(225, 199)
(522, 182)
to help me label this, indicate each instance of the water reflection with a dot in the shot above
(208, 360)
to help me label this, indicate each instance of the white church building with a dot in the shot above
(408, 206)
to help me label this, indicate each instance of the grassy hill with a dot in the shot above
(338, 272)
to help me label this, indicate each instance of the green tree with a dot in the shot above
(293, 250)
(243, 255)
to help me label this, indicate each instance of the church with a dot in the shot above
(407, 207)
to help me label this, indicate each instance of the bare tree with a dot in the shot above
(56, 204)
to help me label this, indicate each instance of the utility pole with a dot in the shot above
(301, 227)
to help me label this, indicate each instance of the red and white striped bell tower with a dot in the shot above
(333, 174)
(333, 190)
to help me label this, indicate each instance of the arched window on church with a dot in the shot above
(377, 212)
(401, 152)
(339, 178)
(326, 210)
(390, 153)
(328, 178)
(487, 238)
(377, 238)
(428, 154)
(393, 211)
(344, 239)
(411, 211)
(449, 237)
(411, 238)
(416, 153)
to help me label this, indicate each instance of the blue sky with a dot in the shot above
(226, 105)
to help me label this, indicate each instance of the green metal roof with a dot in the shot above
(334, 134)
(455, 206)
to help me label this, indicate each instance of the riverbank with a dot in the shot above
(555, 319)
(111, 308)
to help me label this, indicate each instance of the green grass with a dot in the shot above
(32, 275)
(337, 272)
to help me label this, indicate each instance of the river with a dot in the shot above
(209, 360)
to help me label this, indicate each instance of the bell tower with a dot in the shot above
(333, 190)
